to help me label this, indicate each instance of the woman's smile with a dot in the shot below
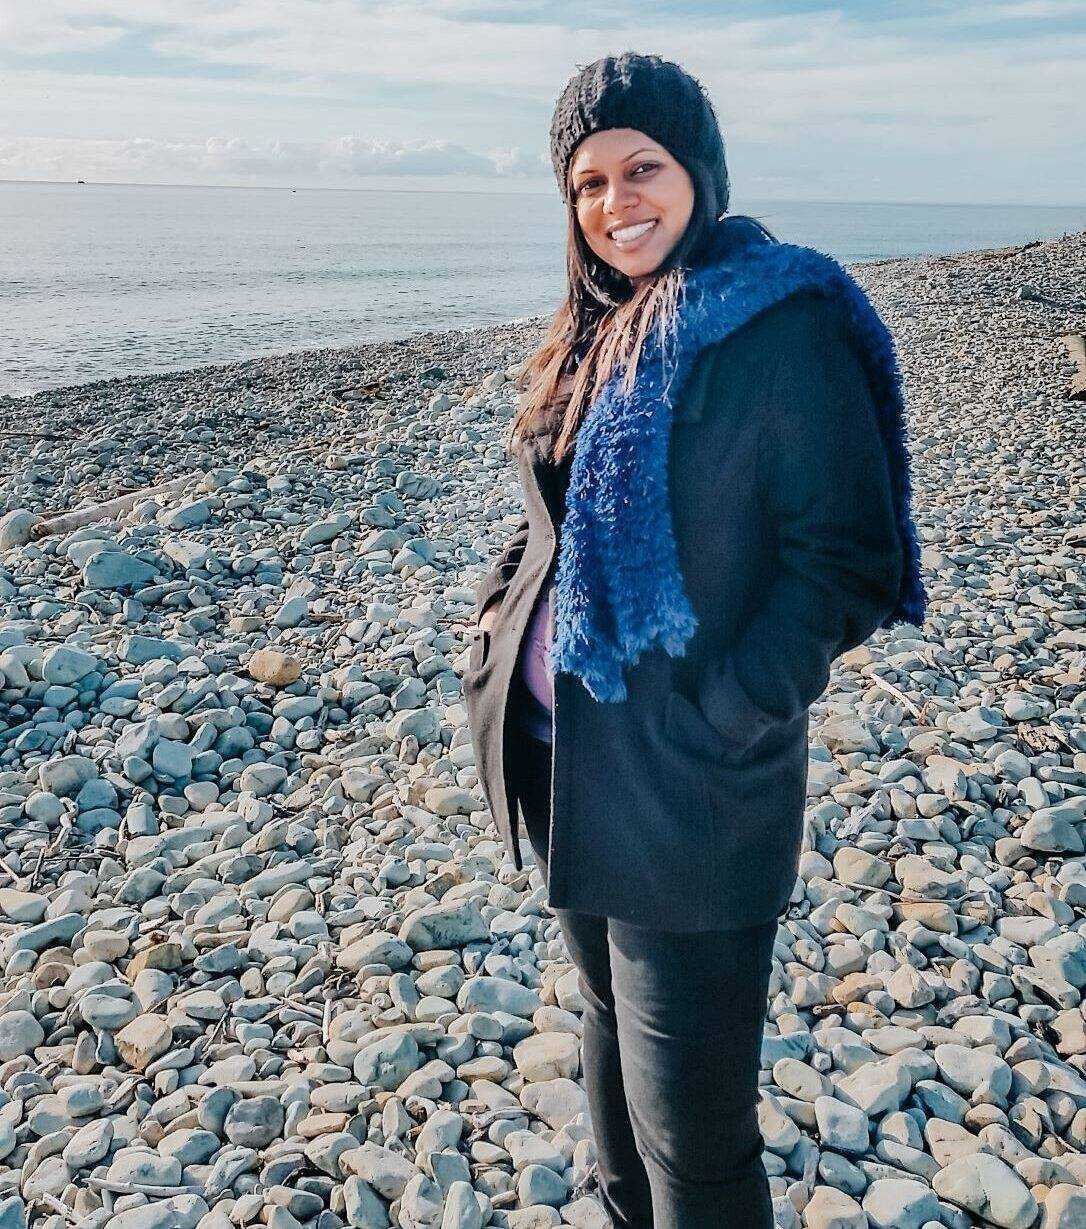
(629, 237)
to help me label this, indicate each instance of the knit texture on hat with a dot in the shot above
(653, 95)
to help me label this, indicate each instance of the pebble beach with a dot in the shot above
(264, 959)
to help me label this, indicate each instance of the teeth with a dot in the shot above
(626, 233)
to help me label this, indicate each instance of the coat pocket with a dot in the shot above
(687, 726)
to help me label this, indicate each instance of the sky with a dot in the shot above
(875, 100)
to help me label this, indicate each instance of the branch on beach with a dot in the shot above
(67, 522)
(23, 433)
(20, 527)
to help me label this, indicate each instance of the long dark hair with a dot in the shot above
(603, 322)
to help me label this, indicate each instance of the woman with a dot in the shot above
(716, 496)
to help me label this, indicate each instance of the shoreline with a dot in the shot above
(449, 336)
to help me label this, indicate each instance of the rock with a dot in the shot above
(909, 989)
(974, 1073)
(138, 649)
(20, 1033)
(900, 1203)
(557, 1102)
(987, 1187)
(89, 1145)
(139, 1165)
(66, 776)
(780, 1133)
(364, 1206)
(19, 906)
(17, 529)
(53, 932)
(107, 1012)
(64, 665)
(832, 1209)
(358, 785)
(876, 1088)
(539, 1184)
(12, 1210)
(548, 1056)
(1064, 1207)
(292, 613)
(1052, 830)
(321, 532)
(275, 668)
(443, 925)
(187, 515)
(387, 1062)
(115, 569)
(386, 1171)
(462, 1208)
(143, 1040)
(377, 948)
(856, 866)
(842, 1127)
(254, 1122)
(498, 994)
(450, 800)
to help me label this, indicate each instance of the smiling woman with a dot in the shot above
(633, 200)
(733, 519)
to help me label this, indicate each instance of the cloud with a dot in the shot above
(355, 156)
(341, 161)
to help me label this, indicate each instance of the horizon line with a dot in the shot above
(124, 183)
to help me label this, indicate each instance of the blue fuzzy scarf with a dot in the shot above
(618, 587)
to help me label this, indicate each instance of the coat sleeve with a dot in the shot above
(839, 553)
(494, 584)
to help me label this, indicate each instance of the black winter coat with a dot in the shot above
(681, 807)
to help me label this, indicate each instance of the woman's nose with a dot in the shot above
(618, 197)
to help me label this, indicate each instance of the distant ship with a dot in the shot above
(80, 181)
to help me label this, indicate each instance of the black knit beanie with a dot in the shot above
(648, 93)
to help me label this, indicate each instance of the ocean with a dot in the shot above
(106, 280)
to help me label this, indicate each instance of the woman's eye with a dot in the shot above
(591, 183)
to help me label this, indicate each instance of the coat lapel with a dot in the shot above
(535, 479)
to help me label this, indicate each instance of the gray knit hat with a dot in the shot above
(644, 92)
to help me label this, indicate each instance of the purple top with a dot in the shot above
(534, 662)
(536, 715)
(534, 665)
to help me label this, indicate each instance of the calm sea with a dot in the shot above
(103, 280)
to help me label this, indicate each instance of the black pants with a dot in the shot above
(672, 1040)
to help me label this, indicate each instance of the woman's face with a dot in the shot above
(619, 179)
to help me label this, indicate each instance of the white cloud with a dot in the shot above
(342, 161)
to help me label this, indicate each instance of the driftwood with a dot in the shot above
(21, 433)
(1076, 347)
(140, 1188)
(898, 695)
(68, 522)
(54, 1205)
(50, 849)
